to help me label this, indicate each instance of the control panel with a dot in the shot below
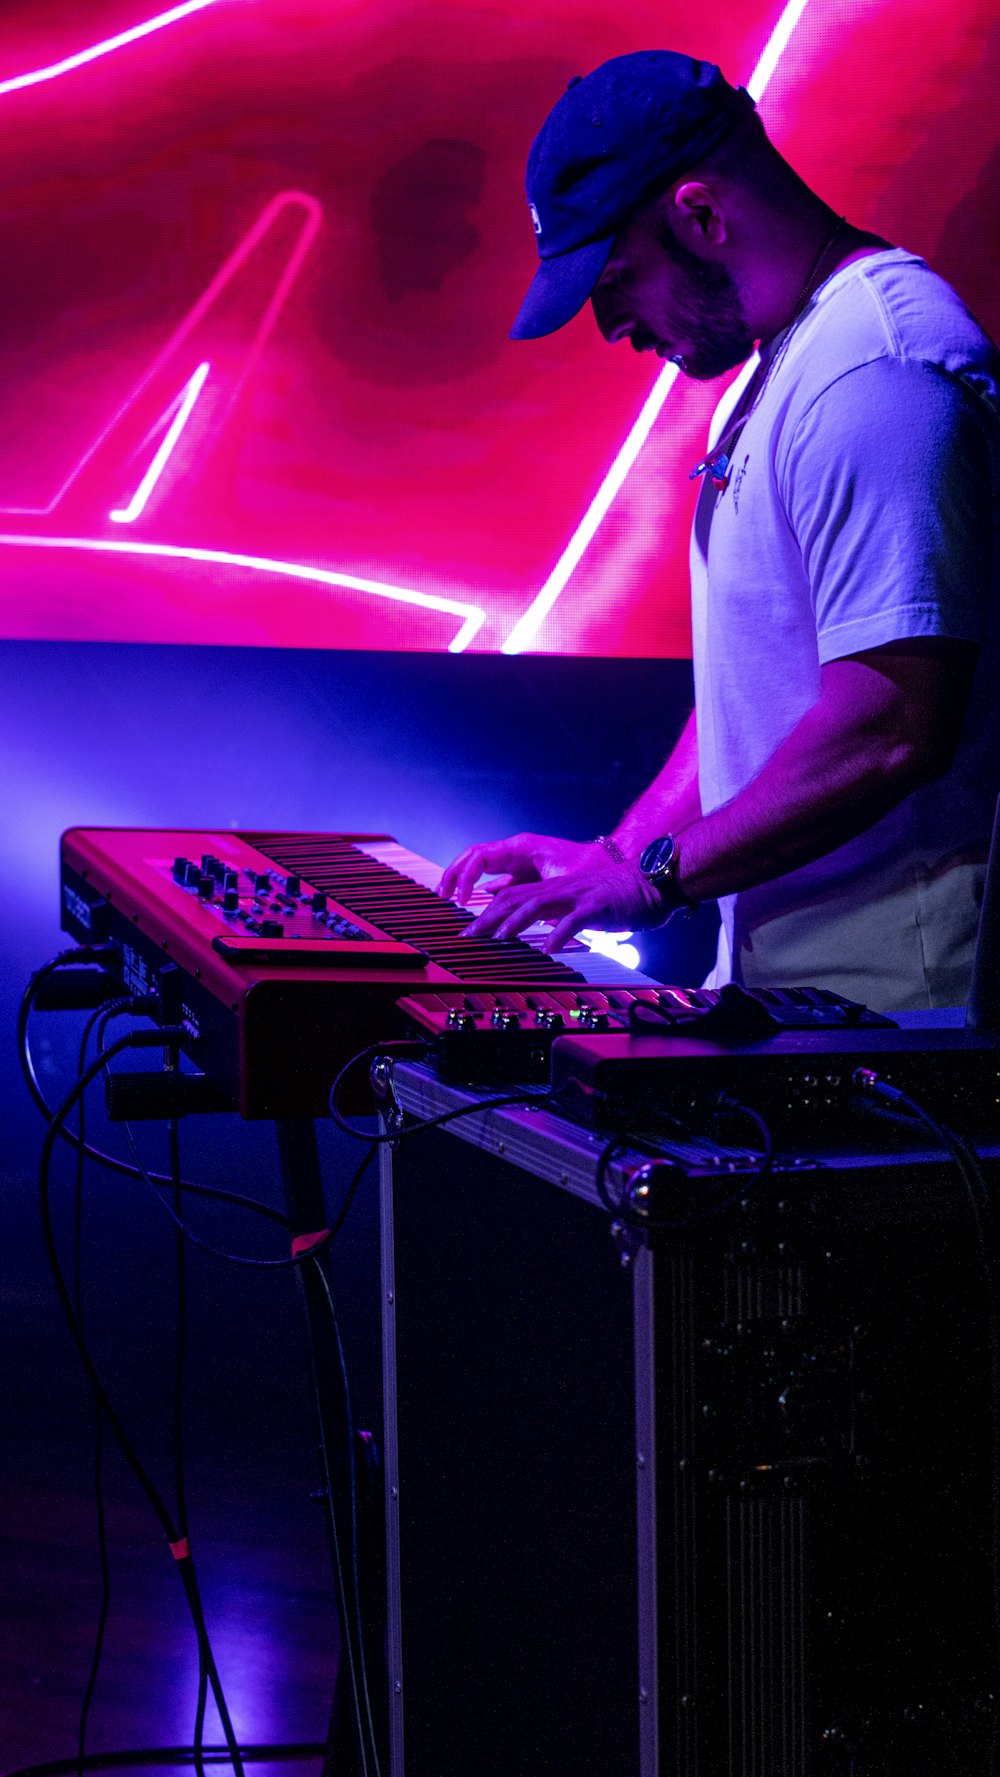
(506, 1036)
(264, 913)
(263, 903)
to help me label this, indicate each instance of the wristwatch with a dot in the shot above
(659, 863)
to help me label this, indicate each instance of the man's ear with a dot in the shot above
(696, 215)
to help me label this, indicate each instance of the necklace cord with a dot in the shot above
(718, 461)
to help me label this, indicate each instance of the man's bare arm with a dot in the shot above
(670, 803)
(887, 720)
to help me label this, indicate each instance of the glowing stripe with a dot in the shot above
(83, 56)
(775, 48)
(140, 499)
(528, 625)
(223, 278)
(473, 617)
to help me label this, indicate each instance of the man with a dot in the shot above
(834, 786)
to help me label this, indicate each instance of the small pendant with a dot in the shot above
(717, 466)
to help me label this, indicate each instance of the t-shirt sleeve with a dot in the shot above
(887, 482)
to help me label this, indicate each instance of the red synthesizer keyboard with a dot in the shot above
(286, 953)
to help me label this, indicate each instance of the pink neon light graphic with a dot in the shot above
(529, 623)
(472, 616)
(105, 48)
(313, 214)
(140, 499)
(362, 412)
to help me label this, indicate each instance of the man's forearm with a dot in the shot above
(831, 779)
(671, 801)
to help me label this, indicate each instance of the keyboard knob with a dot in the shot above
(293, 885)
(262, 881)
(503, 1020)
(592, 1019)
(271, 928)
(231, 900)
(318, 902)
(459, 1020)
(181, 868)
(206, 888)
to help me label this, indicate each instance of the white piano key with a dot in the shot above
(593, 965)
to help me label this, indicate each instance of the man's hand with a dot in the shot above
(575, 886)
(527, 857)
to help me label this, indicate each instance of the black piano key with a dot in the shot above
(398, 906)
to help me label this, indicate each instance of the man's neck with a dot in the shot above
(822, 249)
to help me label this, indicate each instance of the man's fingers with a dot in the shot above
(565, 930)
(449, 875)
(532, 905)
(511, 911)
(461, 876)
(504, 856)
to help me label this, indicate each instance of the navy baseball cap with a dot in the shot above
(614, 138)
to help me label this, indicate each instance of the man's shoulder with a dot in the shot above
(891, 306)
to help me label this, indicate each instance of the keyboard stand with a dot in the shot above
(350, 1752)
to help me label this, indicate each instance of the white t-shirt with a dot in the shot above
(862, 508)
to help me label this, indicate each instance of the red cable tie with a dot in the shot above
(307, 1243)
(181, 1551)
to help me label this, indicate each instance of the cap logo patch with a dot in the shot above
(536, 221)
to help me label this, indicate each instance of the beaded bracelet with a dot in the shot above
(611, 847)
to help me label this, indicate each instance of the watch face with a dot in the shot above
(658, 856)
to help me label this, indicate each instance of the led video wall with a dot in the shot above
(260, 260)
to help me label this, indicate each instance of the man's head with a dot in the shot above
(645, 185)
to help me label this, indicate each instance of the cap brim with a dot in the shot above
(559, 289)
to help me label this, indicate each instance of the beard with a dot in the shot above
(706, 311)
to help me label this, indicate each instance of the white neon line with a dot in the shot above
(473, 616)
(775, 48)
(105, 48)
(137, 505)
(529, 623)
(221, 281)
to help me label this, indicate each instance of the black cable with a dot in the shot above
(84, 954)
(727, 1104)
(141, 1474)
(111, 1161)
(217, 1252)
(360, 1680)
(183, 1232)
(147, 1758)
(99, 1504)
(351, 1192)
(103, 1015)
(57, 1128)
(623, 1211)
(180, 1478)
(415, 1049)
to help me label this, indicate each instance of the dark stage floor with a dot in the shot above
(258, 1530)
